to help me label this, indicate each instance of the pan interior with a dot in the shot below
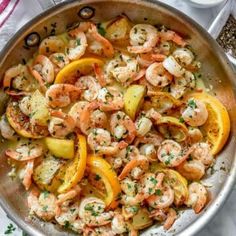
(217, 76)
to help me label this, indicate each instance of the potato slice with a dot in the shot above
(47, 174)
(63, 148)
(141, 220)
(117, 30)
(175, 180)
(133, 99)
(40, 113)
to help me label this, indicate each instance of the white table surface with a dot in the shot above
(224, 223)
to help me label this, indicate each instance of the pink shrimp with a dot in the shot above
(110, 99)
(27, 180)
(25, 152)
(170, 35)
(122, 127)
(99, 75)
(60, 124)
(62, 95)
(16, 81)
(98, 44)
(68, 195)
(136, 162)
(43, 71)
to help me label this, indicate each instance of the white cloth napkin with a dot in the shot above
(15, 13)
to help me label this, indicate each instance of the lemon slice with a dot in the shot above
(217, 127)
(76, 69)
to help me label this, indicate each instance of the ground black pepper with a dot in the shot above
(227, 37)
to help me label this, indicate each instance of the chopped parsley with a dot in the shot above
(67, 224)
(78, 43)
(10, 229)
(192, 104)
(154, 181)
(181, 119)
(101, 30)
(60, 58)
(45, 194)
(158, 192)
(97, 177)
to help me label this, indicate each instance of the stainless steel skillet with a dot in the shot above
(215, 68)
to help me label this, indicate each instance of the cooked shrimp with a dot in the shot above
(42, 204)
(6, 130)
(171, 153)
(169, 35)
(89, 86)
(25, 105)
(123, 156)
(184, 56)
(158, 214)
(194, 135)
(25, 151)
(146, 59)
(77, 45)
(69, 215)
(162, 198)
(50, 45)
(27, 180)
(149, 151)
(173, 67)
(197, 197)
(43, 71)
(163, 48)
(76, 110)
(202, 152)
(99, 140)
(92, 117)
(122, 127)
(129, 186)
(98, 44)
(157, 75)
(181, 84)
(143, 126)
(140, 161)
(151, 182)
(60, 124)
(143, 38)
(118, 224)
(192, 170)
(196, 113)
(99, 75)
(171, 217)
(92, 212)
(62, 95)
(132, 200)
(63, 197)
(59, 61)
(110, 99)
(126, 69)
(150, 138)
(17, 80)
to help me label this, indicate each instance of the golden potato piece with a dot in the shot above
(40, 113)
(47, 174)
(117, 30)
